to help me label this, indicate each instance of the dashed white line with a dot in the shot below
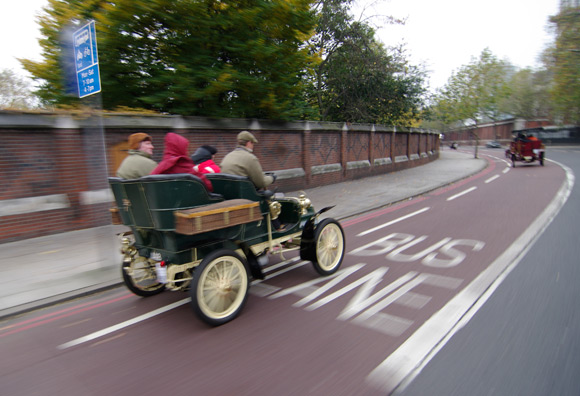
(492, 179)
(506, 170)
(451, 198)
(393, 221)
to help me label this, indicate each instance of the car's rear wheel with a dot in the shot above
(329, 247)
(219, 288)
(140, 277)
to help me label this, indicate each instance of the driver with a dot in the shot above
(243, 162)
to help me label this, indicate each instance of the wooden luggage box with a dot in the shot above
(217, 216)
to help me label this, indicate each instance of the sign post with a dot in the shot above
(86, 60)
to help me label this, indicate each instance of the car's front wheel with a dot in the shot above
(329, 247)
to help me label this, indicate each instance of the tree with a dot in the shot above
(529, 96)
(226, 58)
(15, 92)
(357, 78)
(565, 64)
(475, 92)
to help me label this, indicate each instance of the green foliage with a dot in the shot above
(277, 59)
(475, 92)
(529, 94)
(565, 65)
(54, 73)
(215, 58)
(358, 80)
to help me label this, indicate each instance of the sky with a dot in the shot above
(441, 34)
(447, 34)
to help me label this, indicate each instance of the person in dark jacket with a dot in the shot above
(176, 159)
(203, 160)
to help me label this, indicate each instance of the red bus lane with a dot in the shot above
(409, 268)
(411, 273)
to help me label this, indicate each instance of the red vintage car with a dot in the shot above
(526, 149)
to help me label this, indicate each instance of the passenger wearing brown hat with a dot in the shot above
(243, 162)
(138, 163)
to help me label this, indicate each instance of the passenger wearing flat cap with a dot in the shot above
(243, 162)
(203, 160)
(139, 162)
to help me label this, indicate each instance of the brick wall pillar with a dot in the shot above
(343, 149)
(372, 137)
(392, 145)
(306, 156)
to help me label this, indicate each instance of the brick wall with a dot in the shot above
(501, 130)
(53, 167)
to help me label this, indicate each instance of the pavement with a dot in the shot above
(42, 271)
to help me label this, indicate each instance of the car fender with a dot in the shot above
(307, 239)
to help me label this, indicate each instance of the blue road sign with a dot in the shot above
(87, 60)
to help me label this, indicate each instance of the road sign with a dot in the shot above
(87, 60)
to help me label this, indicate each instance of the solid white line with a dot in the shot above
(451, 198)
(124, 324)
(492, 179)
(394, 221)
(402, 366)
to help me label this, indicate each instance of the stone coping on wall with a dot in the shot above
(9, 207)
(96, 196)
(60, 201)
(289, 173)
(322, 169)
(382, 161)
(11, 119)
(358, 164)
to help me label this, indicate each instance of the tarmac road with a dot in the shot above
(525, 340)
(40, 271)
(408, 269)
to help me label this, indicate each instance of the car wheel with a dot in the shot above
(219, 288)
(140, 277)
(329, 247)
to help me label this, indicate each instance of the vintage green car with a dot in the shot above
(184, 238)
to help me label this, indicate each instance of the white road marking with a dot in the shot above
(394, 221)
(281, 264)
(124, 324)
(506, 170)
(451, 198)
(274, 274)
(397, 371)
(492, 179)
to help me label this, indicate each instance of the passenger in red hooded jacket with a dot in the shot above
(176, 160)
